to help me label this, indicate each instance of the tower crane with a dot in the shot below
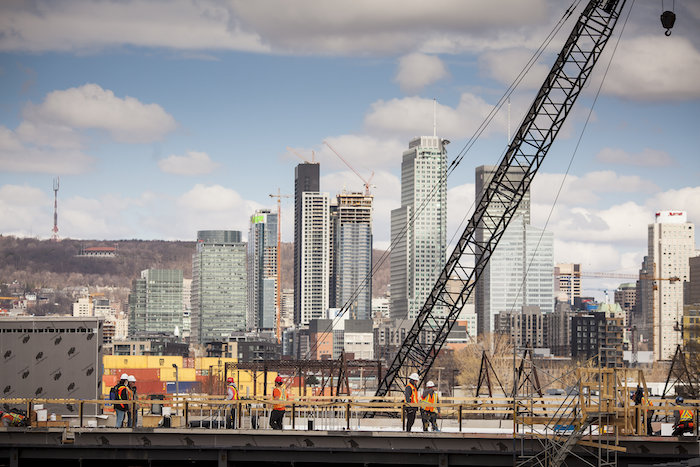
(313, 156)
(279, 197)
(524, 156)
(366, 182)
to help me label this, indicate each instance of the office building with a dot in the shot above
(219, 283)
(418, 227)
(520, 270)
(155, 303)
(526, 327)
(262, 271)
(692, 286)
(626, 297)
(306, 179)
(671, 245)
(567, 282)
(351, 254)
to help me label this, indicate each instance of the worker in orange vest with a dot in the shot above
(278, 394)
(428, 413)
(641, 402)
(231, 395)
(684, 419)
(411, 397)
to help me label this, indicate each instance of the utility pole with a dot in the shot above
(279, 197)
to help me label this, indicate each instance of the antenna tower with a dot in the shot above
(54, 235)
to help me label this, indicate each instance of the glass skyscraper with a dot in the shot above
(351, 254)
(219, 283)
(418, 227)
(262, 271)
(155, 303)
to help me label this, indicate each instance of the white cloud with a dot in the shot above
(506, 65)
(418, 70)
(193, 163)
(91, 107)
(363, 152)
(24, 210)
(655, 68)
(646, 158)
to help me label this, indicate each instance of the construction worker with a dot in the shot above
(231, 395)
(684, 419)
(428, 413)
(122, 393)
(133, 413)
(641, 402)
(278, 394)
(411, 397)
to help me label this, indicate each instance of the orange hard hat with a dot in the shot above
(278, 379)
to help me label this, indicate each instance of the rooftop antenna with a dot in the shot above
(54, 236)
(434, 116)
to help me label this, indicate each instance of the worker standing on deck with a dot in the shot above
(231, 395)
(428, 413)
(133, 414)
(122, 393)
(278, 394)
(684, 418)
(411, 397)
(641, 402)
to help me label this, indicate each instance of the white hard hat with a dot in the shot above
(413, 376)
(132, 378)
(124, 376)
(430, 384)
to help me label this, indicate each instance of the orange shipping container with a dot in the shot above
(141, 374)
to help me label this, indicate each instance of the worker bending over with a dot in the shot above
(684, 418)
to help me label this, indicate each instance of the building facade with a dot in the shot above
(418, 227)
(155, 303)
(219, 283)
(526, 327)
(671, 245)
(262, 271)
(306, 179)
(351, 254)
(567, 282)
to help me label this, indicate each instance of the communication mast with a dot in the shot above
(54, 235)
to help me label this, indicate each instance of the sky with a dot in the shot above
(162, 118)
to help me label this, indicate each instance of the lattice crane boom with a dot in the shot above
(508, 186)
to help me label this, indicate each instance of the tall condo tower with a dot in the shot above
(306, 179)
(262, 270)
(219, 283)
(521, 269)
(418, 227)
(54, 232)
(351, 254)
(671, 245)
(314, 257)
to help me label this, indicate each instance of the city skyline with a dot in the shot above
(164, 129)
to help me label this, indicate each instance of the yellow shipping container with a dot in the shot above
(203, 363)
(183, 374)
(124, 361)
(155, 361)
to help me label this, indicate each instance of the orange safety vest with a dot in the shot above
(279, 394)
(686, 415)
(234, 393)
(123, 397)
(414, 394)
(430, 399)
(647, 402)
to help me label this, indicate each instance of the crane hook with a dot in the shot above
(668, 18)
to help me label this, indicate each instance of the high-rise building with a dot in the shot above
(567, 282)
(526, 327)
(219, 282)
(692, 287)
(418, 227)
(671, 245)
(155, 303)
(351, 254)
(626, 297)
(262, 271)
(520, 271)
(306, 179)
(313, 273)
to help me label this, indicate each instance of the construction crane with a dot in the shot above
(366, 182)
(313, 156)
(279, 197)
(524, 156)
